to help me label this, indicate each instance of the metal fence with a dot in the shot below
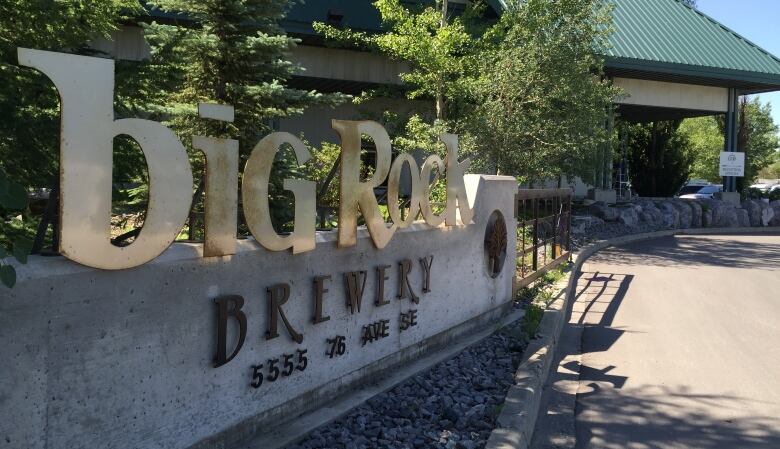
(543, 232)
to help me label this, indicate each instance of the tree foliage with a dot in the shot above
(438, 47)
(772, 171)
(526, 95)
(232, 52)
(542, 99)
(706, 143)
(757, 138)
(13, 198)
(29, 105)
(660, 158)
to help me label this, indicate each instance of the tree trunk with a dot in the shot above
(653, 157)
(440, 103)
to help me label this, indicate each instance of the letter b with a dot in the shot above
(225, 312)
(86, 88)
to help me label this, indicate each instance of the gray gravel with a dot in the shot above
(453, 405)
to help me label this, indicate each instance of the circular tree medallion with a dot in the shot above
(495, 243)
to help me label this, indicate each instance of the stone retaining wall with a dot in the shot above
(646, 214)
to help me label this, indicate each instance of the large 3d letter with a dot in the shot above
(221, 188)
(457, 200)
(86, 88)
(257, 174)
(359, 195)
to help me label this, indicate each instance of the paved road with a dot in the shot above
(672, 343)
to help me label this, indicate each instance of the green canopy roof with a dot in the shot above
(668, 40)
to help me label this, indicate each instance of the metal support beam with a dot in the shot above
(603, 156)
(732, 116)
(608, 158)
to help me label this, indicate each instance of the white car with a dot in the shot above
(705, 192)
(692, 187)
(762, 187)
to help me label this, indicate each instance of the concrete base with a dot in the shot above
(607, 196)
(125, 359)
(729, 197)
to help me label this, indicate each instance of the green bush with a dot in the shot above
(13, 198)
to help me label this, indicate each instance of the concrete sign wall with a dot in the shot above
(126, 359)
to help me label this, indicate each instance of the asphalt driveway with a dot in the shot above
(671, 343)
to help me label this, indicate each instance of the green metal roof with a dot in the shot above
(669, 40)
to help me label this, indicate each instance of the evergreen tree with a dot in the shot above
(29, 105)
(660, 158)
(231, 52)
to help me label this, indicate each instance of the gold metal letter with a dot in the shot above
(425, 197)
(86, 88)
(221, 194)
(356, 195)
(393, 187)
(257, 173)
(456, 188)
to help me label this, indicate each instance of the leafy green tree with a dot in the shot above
(706, 140)
(772, 171)
(542, 100)
(660, 158)
(13, 198)
(232, 52)
(757, 138)
(438, 47)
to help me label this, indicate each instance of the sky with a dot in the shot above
(757, 21)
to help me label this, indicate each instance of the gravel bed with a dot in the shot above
(451, 405)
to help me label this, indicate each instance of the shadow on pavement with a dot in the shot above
(656, 416)
(653, 417)
(690, 251)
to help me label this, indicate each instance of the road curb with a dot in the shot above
(517, 420)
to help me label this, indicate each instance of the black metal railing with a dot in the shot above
(543, 232)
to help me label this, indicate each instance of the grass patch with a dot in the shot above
(535, 299)
(532, 320)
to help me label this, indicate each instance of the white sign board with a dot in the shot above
(732, 164)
